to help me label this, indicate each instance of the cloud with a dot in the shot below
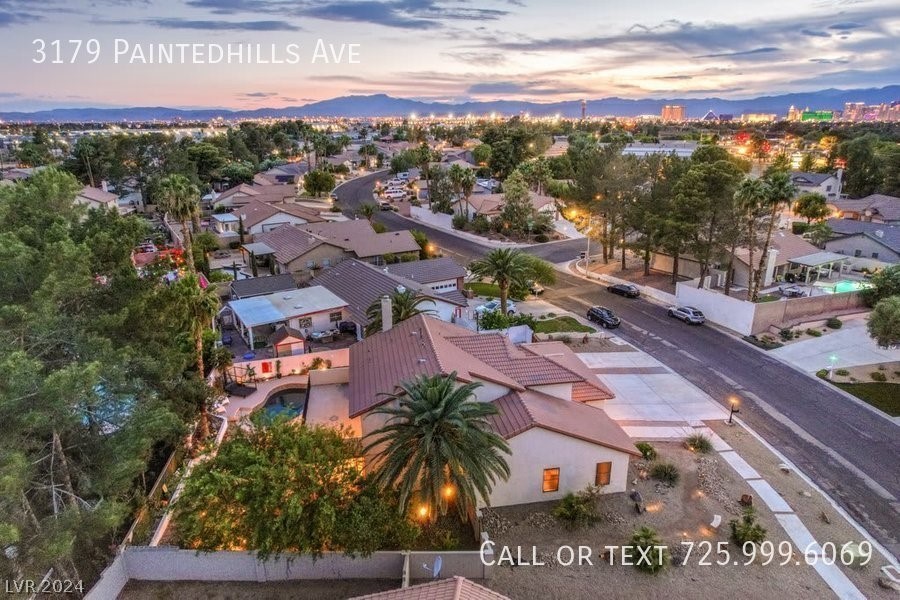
(845, 26)
(813, 33)
(674, 77)
(527, 88)
(488, 59)
(258, 94)
(830, 61)
(177, 23)
(753, 52)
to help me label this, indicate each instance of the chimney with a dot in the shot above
(769, 274)
(387, 313)
(104, 186)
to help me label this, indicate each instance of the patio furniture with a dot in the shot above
(249, 356)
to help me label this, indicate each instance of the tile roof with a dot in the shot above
(258, 286)
(429, 271)
(526, 368)
(359, 237)
(454, 588)
(238, 190)
(492, 204)
(886, 207)
(789, 246)
(360, 284)
(590, 388)
(282, 306)
(519, 411)
(416, 346)
(256, 211)
(425, 345)
(288, 242)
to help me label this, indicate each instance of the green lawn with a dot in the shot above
(561, 324)
(484, 289)
(883, 396)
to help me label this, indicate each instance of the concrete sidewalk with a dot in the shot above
(851, 345)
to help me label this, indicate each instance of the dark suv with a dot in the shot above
(603, 317)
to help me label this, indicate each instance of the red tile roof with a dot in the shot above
(590, 388)
(527, 368)
(519, 411)
(455, 588)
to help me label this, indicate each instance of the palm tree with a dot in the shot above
(508, 267)
(368, 211)
(197, 307)
(404, 305)
(750, 196)
(179, 198)
(437, 446)
(463, 184)
(779, 190)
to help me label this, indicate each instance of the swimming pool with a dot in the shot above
(290, 403)
(843, 286)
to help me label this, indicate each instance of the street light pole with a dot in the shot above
(832, 359)
(587, 252)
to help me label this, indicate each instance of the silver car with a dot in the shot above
(688, 314)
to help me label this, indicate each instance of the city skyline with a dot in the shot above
(448, 51)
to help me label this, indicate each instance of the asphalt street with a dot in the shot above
(848, 450)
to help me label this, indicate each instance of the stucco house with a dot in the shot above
(438, 274)
(491, 205)
(559, 441)
(875, 208)
(258, 217)
(97, 198)
(820, 183)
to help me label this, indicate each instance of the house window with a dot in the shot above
(857, 253)
(336, 317)
(874, 255)
(310, 264)
(304, 322)
(551, 480)
(326, 262)
(603, 471)
(827, 188)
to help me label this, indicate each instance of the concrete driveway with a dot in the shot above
(851, 345)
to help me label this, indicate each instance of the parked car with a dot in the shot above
(385, 205)
(624, 289)
(603, 317)
(535, 288)
(221, 254)
(403, 175)
(492, 305)
(395, 194)
(688, 314)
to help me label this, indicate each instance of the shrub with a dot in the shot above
(646, 450)
(379, 227)
(834, 323)
(335, 209)
(878, 376)
(799, 227)
(494, 319)
(657, 559)
(747, 529)
(842, 372)
(578, 509)
(699, 443)
(522, 319)
(459, 221)
(665, 472)
(541, 238)
(813, 332)
(786, 334)
(480, 224)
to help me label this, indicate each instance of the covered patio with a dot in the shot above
(810, 268)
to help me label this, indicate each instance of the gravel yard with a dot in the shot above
(707, 487)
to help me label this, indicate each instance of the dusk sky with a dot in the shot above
(451, 50)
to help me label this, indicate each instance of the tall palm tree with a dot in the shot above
(405, 304)
(750, 196)
(179, 198)
(197, 307)
(437, 446)
(509, 267)
(779, 191)
(463, 183)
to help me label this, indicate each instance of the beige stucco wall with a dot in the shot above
(319, 255)
(557, 390)
(538, 449)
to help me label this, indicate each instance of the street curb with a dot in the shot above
(848, 395)
(840, 510)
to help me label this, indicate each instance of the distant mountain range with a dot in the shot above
(382, 105)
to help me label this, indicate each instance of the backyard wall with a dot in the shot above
(174, 564)
(799, 309)
(298, 362)
(748, 318)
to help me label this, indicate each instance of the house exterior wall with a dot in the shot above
(830, 188)
(320, 321)
(322, 255)
(557, 390)
(538, 449)
(865, 246)
(687, 267)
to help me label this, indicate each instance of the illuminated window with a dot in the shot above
(603, 471)
(551, 480)
(336, 316)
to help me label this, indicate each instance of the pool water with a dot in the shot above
(846, 285)
(286, 403)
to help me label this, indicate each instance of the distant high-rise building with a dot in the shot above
(758, 118)
(817, 115)
(860, 111)
(794, 113)
(583, 109)
(673, 112)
